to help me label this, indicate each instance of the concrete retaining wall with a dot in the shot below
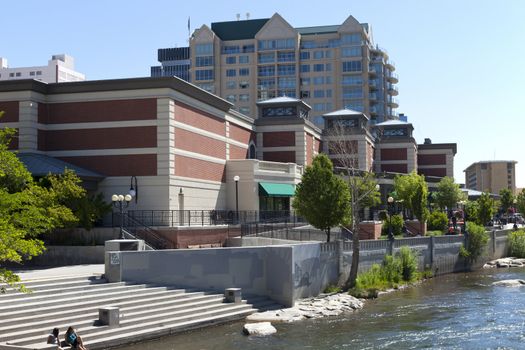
(68, 255)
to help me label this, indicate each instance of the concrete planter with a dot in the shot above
(416, 227)
(370, 229)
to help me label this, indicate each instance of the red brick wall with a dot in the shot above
(394, 154)
(396, 168)
(279, 139)
(10, 109)
(97, 111)
(280, 156)
(240, 134)
(309, 148)
(197, 143)
(205, 237)
(441, 172)
(238, 152)
(199, 169)
(118, 165)
(199, 119)
(431, 159)
(82, 139)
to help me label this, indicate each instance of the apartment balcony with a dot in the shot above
(392, 102)
(392, 78)
(392, 90)
(373, 84)
(372, 97)
(390, 64)
(374, 110)
(372, 72)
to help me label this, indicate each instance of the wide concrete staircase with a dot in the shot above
(146, 311)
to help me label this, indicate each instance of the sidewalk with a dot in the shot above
(62, 271)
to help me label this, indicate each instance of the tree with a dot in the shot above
(486, 209)
(506, 199)
(412, 189)
(322, 198)
(364, 190)
(520, 201)
(472, 211)
(448, 193)
(26, 210)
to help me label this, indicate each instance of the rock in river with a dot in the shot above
(509, 283)
(259, 329)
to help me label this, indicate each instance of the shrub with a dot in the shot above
(397, 225)
(408, 263)
(391, 270)
(517, 243)
(372, 279)
(477, 240)
(331, 288)
(437, 221)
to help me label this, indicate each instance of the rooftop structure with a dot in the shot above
(60, 68)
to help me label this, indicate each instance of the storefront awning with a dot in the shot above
(269, 189)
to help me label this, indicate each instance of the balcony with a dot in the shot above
(390, 64)
(393, 102)
(374, 110)
(372, 72)
(372, 96)
(392, 78)
(373, 84)
(392, 90)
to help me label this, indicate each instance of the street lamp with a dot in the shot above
(236, 178)
(390, 201)
(121, 202)
(134, 190)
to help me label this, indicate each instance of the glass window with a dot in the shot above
(328, 54)
(351, 39)
(18, 74)
(207, 87)
(352, 92)
(266, 71)
(231, 72)
(305, 68)
(286, 83)
(318, 67)
(328, 79)
(318, 107)
(244, 97)
(230, 84)
(244, 71)
(318, 55)
(353, 51)
(352, 66)
(354, 105)
(246, 111)
(305, 94)
(248, 48)
(318, 80)
(334, 43)
(203, 49)
(266, 57)
(231, 60)
(288, 93)
(307, 44)
(305, 55)
(244, 85)
(305, 81)
(319, 93)
(286, 69)
(276, 44)
(244, 59)
(267, 83)
(11, 75)
(352, 80)
(288, 56)
(328, 67)
(329, 93)
(230, 98)
(204, 74)
(31, 73)
(203, 61)
(229, 49)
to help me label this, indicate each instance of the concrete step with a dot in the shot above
(95, 301)
(87, 321)
(55, 288)
(50, 282)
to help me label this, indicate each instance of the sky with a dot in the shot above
(460, 62)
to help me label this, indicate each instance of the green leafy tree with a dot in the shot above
(520, 201)
(506, 199)
(412, 189)
(448, 193)
(472, 211)
(486, 209)
(26, 211)
(322, 198)
(437, 221)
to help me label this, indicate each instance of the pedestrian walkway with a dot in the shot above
(62, 271)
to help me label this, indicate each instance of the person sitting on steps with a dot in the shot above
(52, 338)
(73, 339)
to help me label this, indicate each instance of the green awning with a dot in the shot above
(269, 189)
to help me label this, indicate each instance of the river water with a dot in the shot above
(457, 311)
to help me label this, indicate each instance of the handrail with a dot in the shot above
(142, 231)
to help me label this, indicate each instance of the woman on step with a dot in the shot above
(52, 338)
(73, 339)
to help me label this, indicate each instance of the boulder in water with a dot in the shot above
(509, 283)
(259, 329)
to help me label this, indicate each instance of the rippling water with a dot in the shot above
(459, 311)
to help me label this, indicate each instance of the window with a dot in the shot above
(318, 80)
(328, 54)
(230, 84)
(245, 111)
(352, 80)
(351, 39)
(286, 56)
(329, 93)
(248, 48)
(276, 44)
(207, 87)
(319, 93)
(352, 66)
(31, 73)
(318, 55)
(354, 105)
(252, 151)
(319, 107)
(354, 51)
(305, 55)
(266, 57)
(231, 72)
(11, 75)
(244, 71)
(307, 44)
(395, 132)
(244, 97)
(205, 74)
(203, 61)
(328, 79)
(305, 81)
(305, 94)
(230, 98)
(18, 74)
(305, 68)
(38, 72)
(244, 59)
(286, 83)
(230, 49)
(352, 92)
(288, 93)
(244, 85)
(286, 69)
(203, 49)
(318, 67)
(266, 71)
(231, 60)
(267, 83)
(328, 67)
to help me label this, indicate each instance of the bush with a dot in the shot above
(517, 244)
(477, 240)
(437, 221)
(408, 263)
(397, 225)
(331, 288)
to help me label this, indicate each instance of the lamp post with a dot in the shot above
(390, 201)
(134, 190)
(236, 178)
(121, 202)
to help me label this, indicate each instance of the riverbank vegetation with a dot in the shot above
(477, 241)
(517, 244)
(395, 271)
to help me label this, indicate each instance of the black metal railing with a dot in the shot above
(139, 230)
(174, 218)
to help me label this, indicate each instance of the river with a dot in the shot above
(456, 311)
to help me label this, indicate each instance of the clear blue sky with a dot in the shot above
(460, 62)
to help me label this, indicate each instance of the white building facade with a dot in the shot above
(60, 68)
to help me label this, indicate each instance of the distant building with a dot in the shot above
(330, 67)
(59, 69)
(491, 176)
